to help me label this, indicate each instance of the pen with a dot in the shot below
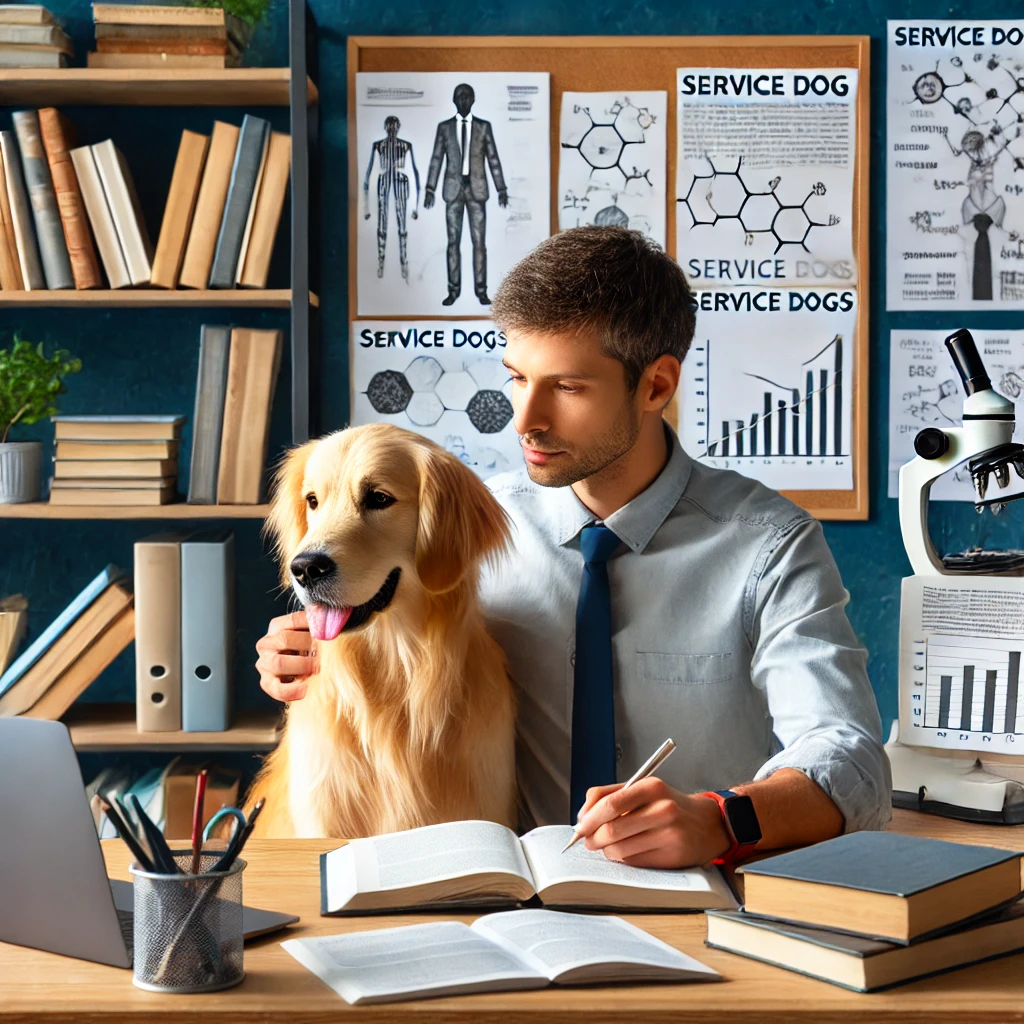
(649, 767)
(197, 820)
(162, 856)
(125, 832)
(239, 839)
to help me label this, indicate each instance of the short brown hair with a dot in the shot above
(611, 280)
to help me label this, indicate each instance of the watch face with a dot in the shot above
(742, 819)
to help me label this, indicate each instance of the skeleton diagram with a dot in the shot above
(390, 153)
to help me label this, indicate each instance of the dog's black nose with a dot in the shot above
(309, 568)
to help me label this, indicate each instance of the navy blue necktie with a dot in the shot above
(593, 696)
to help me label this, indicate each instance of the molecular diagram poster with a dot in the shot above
(767, 385)
(454, 186)
(955, 170)
(764, 183)
(442, 379)
(612, 165)
(925, 391)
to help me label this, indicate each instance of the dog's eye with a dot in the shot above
(311, 501)
(377, 500)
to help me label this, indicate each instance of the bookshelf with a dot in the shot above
(111, 727)
(99, 728)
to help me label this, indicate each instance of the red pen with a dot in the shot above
(197, 820)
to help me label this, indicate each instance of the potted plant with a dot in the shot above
(245, 15)
(30, 381)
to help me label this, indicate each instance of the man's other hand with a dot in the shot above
(428, 199)
(652, 825)
(503, 197)
(287, 657)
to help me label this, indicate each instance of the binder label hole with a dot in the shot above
(203, 672)
(158, 671)
(157, 698)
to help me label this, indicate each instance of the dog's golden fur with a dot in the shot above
(409, 719)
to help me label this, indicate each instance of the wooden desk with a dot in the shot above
(36, 986)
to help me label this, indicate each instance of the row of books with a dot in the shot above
(54, 670)
(115, 460)
(31, 38)
(153, 36)
(220, 221)
(167, 794)
(185, 631)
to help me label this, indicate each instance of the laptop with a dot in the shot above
(54, 890)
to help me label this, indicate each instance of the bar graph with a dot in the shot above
(820, 401)
(972, 685)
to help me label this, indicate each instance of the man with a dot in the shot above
(650, 596)
(462, 144)
(389, 154)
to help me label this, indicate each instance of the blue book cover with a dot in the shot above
(59, 625)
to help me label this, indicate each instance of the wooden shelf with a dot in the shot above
(101, 727)
(275, 298)
(178, 510)
(149, 87)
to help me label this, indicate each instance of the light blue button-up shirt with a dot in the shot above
(730, 636)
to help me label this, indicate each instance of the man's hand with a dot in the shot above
(652, 825)
(428, 199)
(287, 657)
(503, 197)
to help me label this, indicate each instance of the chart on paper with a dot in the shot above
(768, 393)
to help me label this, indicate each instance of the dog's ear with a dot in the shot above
(286, 523)
(460, 522)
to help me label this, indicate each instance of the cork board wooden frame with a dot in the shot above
(610, 63)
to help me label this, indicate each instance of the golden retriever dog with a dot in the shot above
(410, 717)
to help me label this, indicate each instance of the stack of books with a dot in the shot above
(115, 460)
(149, 36)
(219, 225)
(238, 370)
(184, 652)
(869, 910)
(72, 651)
(31, 38)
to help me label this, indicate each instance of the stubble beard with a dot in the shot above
(575, 464)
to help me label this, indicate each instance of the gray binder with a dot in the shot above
(207, 630)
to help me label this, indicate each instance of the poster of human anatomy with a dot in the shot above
(612, 161)
(442, 379)
(955, 165)
(454, 186)
(767, 386)
(764, 181)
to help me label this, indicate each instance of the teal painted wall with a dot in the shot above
(144, 361)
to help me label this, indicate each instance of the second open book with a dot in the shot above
(481, 862)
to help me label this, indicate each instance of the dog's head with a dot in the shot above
(362, 516)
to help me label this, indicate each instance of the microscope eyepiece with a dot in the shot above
(967, 361)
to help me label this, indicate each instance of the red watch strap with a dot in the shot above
(736, 850)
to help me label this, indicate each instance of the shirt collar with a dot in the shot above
(638, 520)
(468, 118)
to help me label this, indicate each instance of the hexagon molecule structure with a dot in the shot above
(489, 411)
(389, 392)
(604, 143)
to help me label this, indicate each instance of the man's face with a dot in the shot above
(463, 99)
(573, 412)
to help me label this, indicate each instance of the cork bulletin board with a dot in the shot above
(632, 63)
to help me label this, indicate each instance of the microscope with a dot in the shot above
(958, 747)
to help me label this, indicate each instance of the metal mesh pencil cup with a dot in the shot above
(188, 928)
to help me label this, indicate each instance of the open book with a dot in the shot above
(484, 863)
(518, 949)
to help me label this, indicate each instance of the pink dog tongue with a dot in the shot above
(326, 623)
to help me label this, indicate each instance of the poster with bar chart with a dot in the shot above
(767, 386)
(961, 688)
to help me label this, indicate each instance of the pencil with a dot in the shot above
(649, 767)
(197, 820)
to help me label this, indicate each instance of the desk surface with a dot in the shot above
(284, 875)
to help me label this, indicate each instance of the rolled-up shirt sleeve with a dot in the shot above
(813, 672)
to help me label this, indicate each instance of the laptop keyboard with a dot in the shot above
(126, 919)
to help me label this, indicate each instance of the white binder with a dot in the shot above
(207, 630)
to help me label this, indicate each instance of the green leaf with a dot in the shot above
(30, 381)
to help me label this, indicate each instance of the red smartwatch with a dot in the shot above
(741, 824)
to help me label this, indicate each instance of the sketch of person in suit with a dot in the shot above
(463, 143)
(390, 153)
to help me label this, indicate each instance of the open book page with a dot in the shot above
(435, 862)
(587, 877)
(412, 962)
(577, 948)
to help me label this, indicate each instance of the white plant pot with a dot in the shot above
(21, 471)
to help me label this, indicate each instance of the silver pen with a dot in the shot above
(649, 767)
